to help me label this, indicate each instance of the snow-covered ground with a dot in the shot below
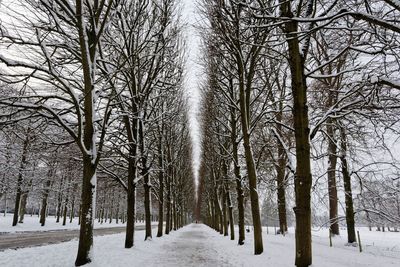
(32, 224)
(199, 245)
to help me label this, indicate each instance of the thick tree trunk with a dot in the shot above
(303, 178)
(22, 208)
(21, 178)
(88, 198)
(131, 200)
(332, 191)
(351, 233)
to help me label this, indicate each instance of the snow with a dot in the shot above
(32, 224)
(199, 245)
(374, 79)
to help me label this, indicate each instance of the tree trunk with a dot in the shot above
(251, 170)
(230, 211)
(146, 182)
(281, 175)
(21, 178)
(351, 233)
(59, 200)
(72, 214)
(224, 211)
(46, 192)
(168, 218)
(22, 208)
(161, 187)
(303, 178)
(132, 173)
(131, 198)
(238, 177)
(88, 199)
(332, 191)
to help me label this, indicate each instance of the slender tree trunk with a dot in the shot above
(161, 187)
(281, 177)
(168, 218)
(59, 200)
(45, 196)
(238, 177)
(230, 211)
(111, 208)
(251, 169)
(351, 233)
(224, 211)
(72, 213)
(146, 183)
(65, 211)
(332, 191)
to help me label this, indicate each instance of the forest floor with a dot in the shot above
(200, 246)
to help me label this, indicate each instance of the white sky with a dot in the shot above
(192, 81)
(193, 75)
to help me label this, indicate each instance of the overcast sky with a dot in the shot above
(192, 80)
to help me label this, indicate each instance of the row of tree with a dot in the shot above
(98, 86)
(301, 101)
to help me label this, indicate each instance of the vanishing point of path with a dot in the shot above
(191, 246)
(32, 239)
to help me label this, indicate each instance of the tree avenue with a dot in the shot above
(299, 117)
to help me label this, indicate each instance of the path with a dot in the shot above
(195, 245)
(31, 239)
(191, 246)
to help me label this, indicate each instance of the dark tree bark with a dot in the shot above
(72, 213)
(168, 217)
(161, 186)
(250, 164)
(281, 177)
(146, 183)
(332, 191)
(230, 211)
(224, 211)
(21, 178)
(131, 198)
(45, 196)
(24, 201)
(238, 177)
(59, 200)
(303, 178)
(351, 233)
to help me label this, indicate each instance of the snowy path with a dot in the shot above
(197, 245)
(191, 247)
